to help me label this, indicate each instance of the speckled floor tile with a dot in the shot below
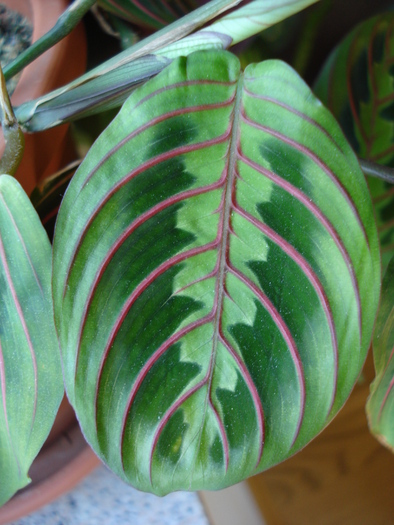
(103, 499)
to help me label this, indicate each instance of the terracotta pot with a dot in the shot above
(65, 458)
(44, 151)
(60, 465)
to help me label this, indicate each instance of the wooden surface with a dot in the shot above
(344, 477)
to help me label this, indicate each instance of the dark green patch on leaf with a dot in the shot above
(360, 81)
(169, 446)
(378, 47)
(348, 126)
(216, 452)
(233, 407)
(387, 112)
(170, 134)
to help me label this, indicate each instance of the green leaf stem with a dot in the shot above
(216, 275)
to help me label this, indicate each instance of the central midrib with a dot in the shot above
(222, 251)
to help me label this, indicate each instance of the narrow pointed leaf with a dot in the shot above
(357, 85)
(31, 384)
(253, 17)
(380, 406)
(216, 275)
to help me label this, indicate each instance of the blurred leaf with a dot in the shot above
(47, 197)
(357, 85)
(31, 384)
(153, 14)
(216, 275)
(380, 406)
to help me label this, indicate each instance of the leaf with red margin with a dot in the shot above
(356, 84)
(380, 405)
(31, 383)
(216, 275)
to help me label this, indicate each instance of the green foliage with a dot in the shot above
(380, 406)
(216, 265)
(31, 385)
(153, 14)
(216, 275)
(108, 85)
(356, 83)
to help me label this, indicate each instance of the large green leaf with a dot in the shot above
(380, 406)
(216, 275)
(357, 84)
(31, 384)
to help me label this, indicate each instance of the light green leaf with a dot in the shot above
(216, 275)
(31, 384)
(380, 406)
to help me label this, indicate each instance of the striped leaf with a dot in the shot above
(216, 275)
(31, 385)
(357, 85)
(153, 14)
(380, 406)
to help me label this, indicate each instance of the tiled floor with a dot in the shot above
(102, 498)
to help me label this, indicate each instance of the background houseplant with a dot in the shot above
(76, 303)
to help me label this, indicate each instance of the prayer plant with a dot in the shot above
(214, 281)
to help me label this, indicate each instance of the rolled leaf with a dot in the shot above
(31, 384)
(380, 406)
(108, 85)
(216, 275)
(356, 83)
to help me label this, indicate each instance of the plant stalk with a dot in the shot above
(13, 136)
(65, 24)
(377, 171)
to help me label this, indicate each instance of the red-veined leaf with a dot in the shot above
(380, 406)
(216, 275)
(357, 85)
(31, 384)
(149, 13)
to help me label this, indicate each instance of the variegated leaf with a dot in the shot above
(31, 383)
(357, 84)
(216, 275)
(380, 406)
